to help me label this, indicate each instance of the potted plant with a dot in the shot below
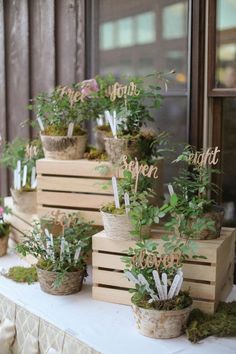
(132, 214)
(194, 214)
(61, 115)
(20, 157)
(4, 230)
(160, 308)
(61, 265)
(128, 110)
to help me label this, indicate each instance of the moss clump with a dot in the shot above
(179, 302)
(55, 130)
(23, 274)
(111, 209)
(94, 154)
(104, 128)
(222, 324)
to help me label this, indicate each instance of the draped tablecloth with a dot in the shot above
(77, 324)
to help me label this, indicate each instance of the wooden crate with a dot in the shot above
(21, 223)
(78, 185)
(209, 280)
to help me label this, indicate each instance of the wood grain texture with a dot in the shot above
(17, 66)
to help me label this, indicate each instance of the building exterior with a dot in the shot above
(44, 43)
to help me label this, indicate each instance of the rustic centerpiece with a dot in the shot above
(20, 156)
(160, 308)
(61, 254)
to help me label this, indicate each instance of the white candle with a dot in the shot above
(15, 179)
(62, 248)
(115, 191)
(144, 282)
(77, 254)
(115, 124)
(70, 130)
(110, 120)
(131, 277)
(24, 176)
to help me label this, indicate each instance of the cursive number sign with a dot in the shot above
(151, 260)
(74, 95)
(205, 158)
(118, 91)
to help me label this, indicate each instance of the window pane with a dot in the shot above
(146, 35)
(229, 158)
(226, 44)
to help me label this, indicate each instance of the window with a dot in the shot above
(137, 37)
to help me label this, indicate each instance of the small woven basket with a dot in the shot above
(64, 147)
(161, 324)
(71, 284)
(118, 227)
(3, 245)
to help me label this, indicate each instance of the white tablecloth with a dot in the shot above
(108, 328)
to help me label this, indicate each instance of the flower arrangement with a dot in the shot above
(194, 213)
(61, 265)
(160, 307)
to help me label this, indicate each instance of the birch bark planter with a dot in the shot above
(100, 136)
(71, 283)
(216, 215)
(118, 227)
(24, 201)
(116, 148)
(161, 324)
(3, 245)
(63, 147)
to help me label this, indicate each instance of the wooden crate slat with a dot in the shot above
(199, 290)
(79, 168)
(103, 243)
(71, 184)
(74, 200)
(18, 223)
(94, 216)
(123, 297)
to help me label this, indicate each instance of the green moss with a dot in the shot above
(179, 302)
(94, 154)
(104, 128)
(54, 130)
(222, 324)
(23, 274)
(111, 209)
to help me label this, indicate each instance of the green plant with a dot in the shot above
(28, 152)
(66, 252)
(191, 200)
(141, 211)
(4, 226)
(62, 106)
(141, 263)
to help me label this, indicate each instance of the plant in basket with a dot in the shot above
(61, 115)
(123, 109)
(160, 307)
(61, 254)
(20, 157)
(194, 214)
(4, 229)
(131, 214)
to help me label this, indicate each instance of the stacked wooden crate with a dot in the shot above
(209, 280)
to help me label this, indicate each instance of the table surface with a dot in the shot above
(108, 328)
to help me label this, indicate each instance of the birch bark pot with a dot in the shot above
(71, 283)
(24, 201)
(118, 227)
(116, 148)
(64, 147)
(161, 324)
(217, 216)
(3, 245)
(100, 139)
